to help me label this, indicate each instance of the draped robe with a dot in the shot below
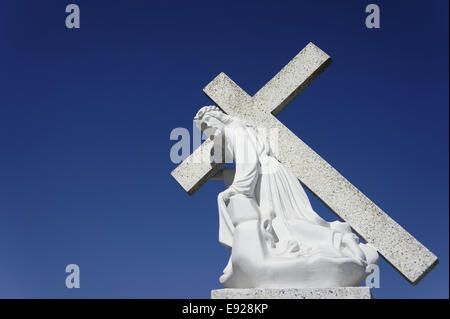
(290, 225)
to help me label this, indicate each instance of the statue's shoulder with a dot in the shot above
(237, 125)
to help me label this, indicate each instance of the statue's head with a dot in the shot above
(211, 120)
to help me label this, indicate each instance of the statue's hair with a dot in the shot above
(214, 111)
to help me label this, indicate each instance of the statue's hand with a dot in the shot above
(226, 195)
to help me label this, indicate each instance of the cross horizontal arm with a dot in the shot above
(191, 174)
(195, 170)
(292, 79)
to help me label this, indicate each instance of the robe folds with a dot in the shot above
(286, 215)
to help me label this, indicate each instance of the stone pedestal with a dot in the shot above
(293, 293)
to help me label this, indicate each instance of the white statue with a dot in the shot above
(265, 218)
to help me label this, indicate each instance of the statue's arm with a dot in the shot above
(247, 168)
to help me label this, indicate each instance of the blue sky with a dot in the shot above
(85, 118)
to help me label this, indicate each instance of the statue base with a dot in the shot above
(293, 293)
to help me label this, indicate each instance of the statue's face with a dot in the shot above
(210, 125)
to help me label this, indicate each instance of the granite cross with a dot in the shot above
(412, 259)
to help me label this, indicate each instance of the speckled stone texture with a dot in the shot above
(395, 244)
(293, 293)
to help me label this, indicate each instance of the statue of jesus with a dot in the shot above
(276, 238)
